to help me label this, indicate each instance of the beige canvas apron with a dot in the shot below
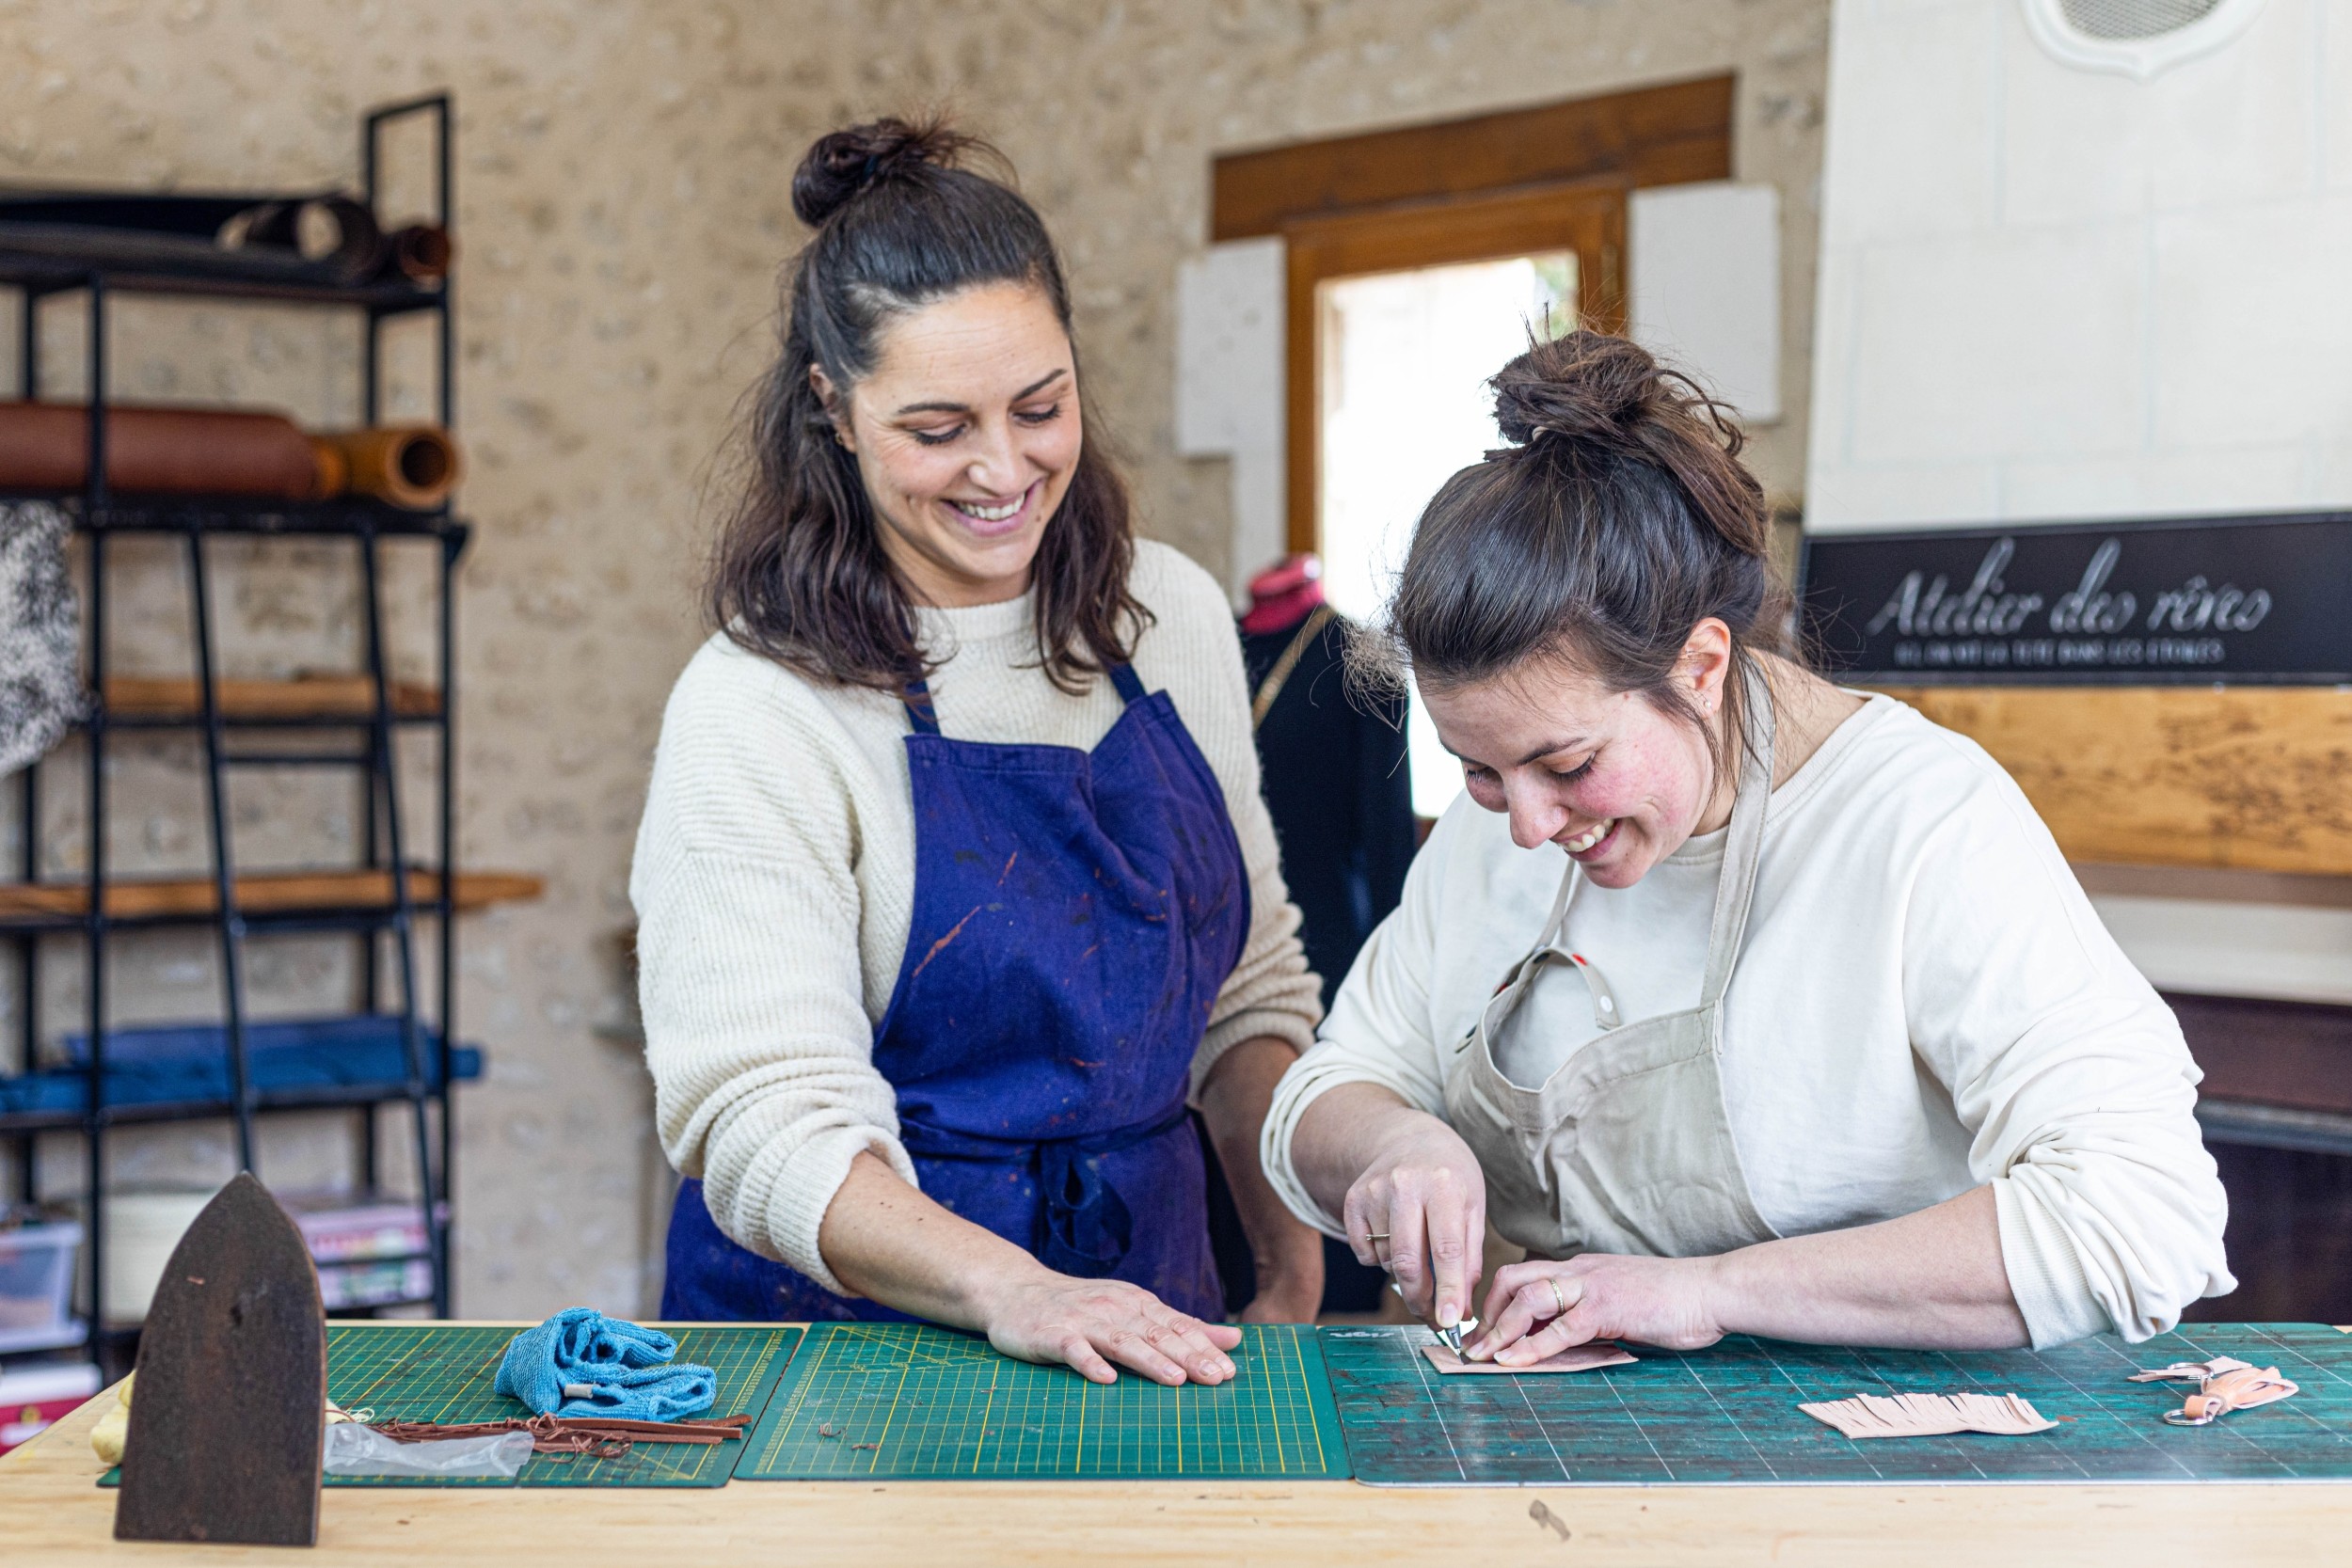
(1627, 1148)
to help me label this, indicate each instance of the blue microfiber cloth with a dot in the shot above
(582, 1363)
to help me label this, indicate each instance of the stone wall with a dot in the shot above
(622, 178)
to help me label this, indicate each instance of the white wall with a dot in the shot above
(1703, 287)
(1229, 390)
(2049, 292)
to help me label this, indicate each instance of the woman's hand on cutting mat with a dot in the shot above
(1091, 1324)
(1540, 1309)
(889, 1242)
(1930, 1280)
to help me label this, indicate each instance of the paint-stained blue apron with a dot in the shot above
(1075, 915)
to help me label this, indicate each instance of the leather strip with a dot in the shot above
(594, 1437)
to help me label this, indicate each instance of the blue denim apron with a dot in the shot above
(1075, 915)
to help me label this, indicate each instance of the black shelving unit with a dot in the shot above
(383, 930)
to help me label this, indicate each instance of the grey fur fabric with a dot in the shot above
(40, 635)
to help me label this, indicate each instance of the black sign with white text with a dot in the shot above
(2176, 601)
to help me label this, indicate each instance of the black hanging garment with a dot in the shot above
(1342, 798)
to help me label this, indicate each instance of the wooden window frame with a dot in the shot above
(1587, 218)
(1515, 182)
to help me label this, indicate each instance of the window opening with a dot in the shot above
(1404, 360)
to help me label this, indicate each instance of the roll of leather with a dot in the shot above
(218, 451)
(175, 212)
(331, 237)
(332, 231)
(409, 466)
(421, 253)
(185, 451)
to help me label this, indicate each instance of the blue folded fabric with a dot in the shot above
(582, 1363)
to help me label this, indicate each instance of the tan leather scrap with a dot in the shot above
(2223, 1383)
(1930, 1415)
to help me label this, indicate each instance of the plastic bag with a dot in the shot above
(353, 1449)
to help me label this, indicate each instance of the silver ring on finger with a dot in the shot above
(1558, 1297)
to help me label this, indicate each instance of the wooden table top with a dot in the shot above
(51, 1510)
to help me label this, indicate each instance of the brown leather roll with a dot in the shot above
(410, 466)
(421, 253)
(187, 452)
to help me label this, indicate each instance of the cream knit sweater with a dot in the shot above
(774, 882)
(1925, 1003)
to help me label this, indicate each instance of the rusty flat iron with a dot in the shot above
(230, 1416)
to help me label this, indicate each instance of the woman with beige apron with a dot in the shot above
(1814, 1036)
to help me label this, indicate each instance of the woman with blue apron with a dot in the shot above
(1096, 939)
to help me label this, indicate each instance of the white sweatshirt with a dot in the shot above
(774, 885)
(1925, 1003)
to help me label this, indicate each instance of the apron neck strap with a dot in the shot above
(917, 695)
(1743, 848)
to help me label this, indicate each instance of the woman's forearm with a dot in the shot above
(1288, 1253)
(1930, 1280)
(1338, 1135)
(889, 1242)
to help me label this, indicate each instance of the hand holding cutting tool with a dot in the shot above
(1421, 1217)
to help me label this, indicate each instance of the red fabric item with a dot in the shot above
(1283, 595)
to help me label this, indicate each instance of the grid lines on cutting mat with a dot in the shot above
(913, 1401)
(443, 1372)
(1728, 1414)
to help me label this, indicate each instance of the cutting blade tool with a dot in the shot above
(1450, 1338)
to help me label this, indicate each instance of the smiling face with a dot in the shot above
(1609, 776)
(966, 433)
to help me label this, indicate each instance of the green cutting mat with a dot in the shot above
(910, 1401)
(1729, 1415)
(440, 1373)
(437, 1373)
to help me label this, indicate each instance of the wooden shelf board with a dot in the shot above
(269, 892)
(305, 697)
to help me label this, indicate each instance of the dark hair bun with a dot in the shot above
(1594, 393)
(1585, 385)
(846, 163)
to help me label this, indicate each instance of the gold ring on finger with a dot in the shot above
(1558, 1297)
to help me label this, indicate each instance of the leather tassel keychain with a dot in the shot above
(2223, 1383)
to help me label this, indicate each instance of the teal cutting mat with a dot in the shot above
(1729, 1415)
(443, 1372)
(907, 1401)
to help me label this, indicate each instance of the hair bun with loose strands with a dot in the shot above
(1619, 520)
(1606, 394)
(846, 163)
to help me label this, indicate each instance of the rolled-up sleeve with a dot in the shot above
(1382, 1030)
(2070, 1075)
